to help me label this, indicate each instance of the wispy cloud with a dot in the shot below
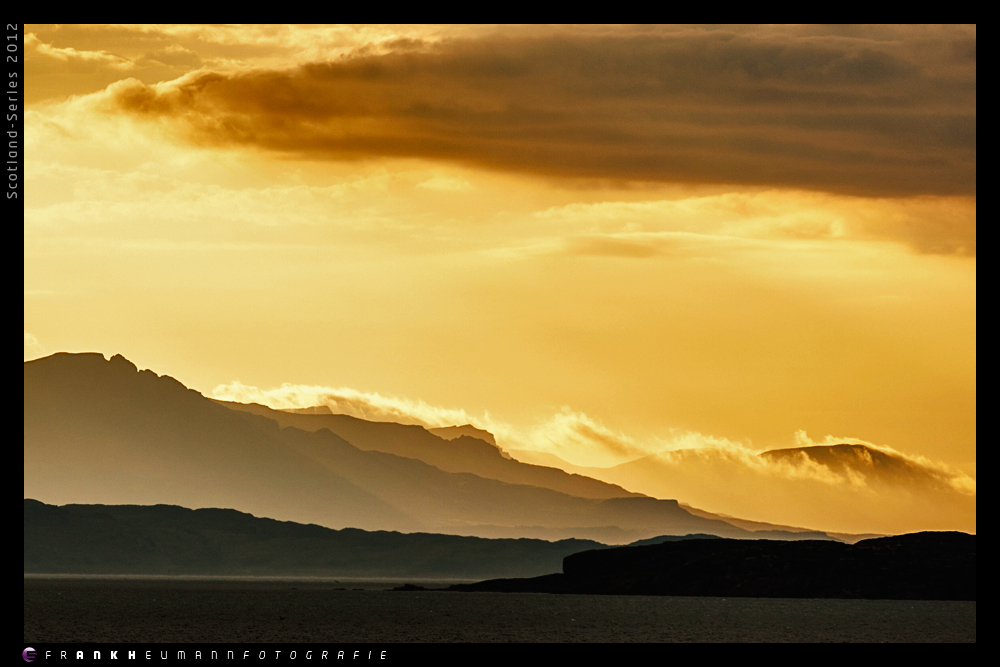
(572, 435)
(344, 400)
(944, 225)
(911, 465)
(32, 348)
(583, 440)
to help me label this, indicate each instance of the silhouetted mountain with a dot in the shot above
(461, 453)
(165, 539)
(100, 431)
(660, 539)
(919, 566)
(452, 432)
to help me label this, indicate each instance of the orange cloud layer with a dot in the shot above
(884, 113)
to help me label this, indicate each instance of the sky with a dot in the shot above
(599, 243)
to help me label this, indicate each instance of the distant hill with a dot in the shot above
(775, 531)
(170, 540)
(919, 566)
(101, 431)
(660, 539)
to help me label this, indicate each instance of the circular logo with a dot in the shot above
(29, 654)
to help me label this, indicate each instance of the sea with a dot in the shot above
(180, 610)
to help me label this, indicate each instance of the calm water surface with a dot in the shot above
(121, 609)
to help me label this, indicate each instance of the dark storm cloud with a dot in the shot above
(882, 112)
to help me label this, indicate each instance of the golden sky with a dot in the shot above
(597, 242)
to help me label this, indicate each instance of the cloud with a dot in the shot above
(584, 441)
(898, 493)
(573, 435)
(446, 184)
(32, 348)
(844, 484)
(579, 439)
(79, 61)
(891, 112)
(174, 55)
(683, 451)
(892, 467)
(344, 400)
(939, 225)
(56, 72)
(612, 246)
(855, 489)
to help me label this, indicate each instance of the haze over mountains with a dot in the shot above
(101, 431)
(460, 453)
(846, 487)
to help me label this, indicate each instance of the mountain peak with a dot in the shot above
(313, 410)
(119, 361)
(454, 432)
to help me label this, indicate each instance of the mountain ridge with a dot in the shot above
(172, 540)
(101, 431)
(462, 453)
